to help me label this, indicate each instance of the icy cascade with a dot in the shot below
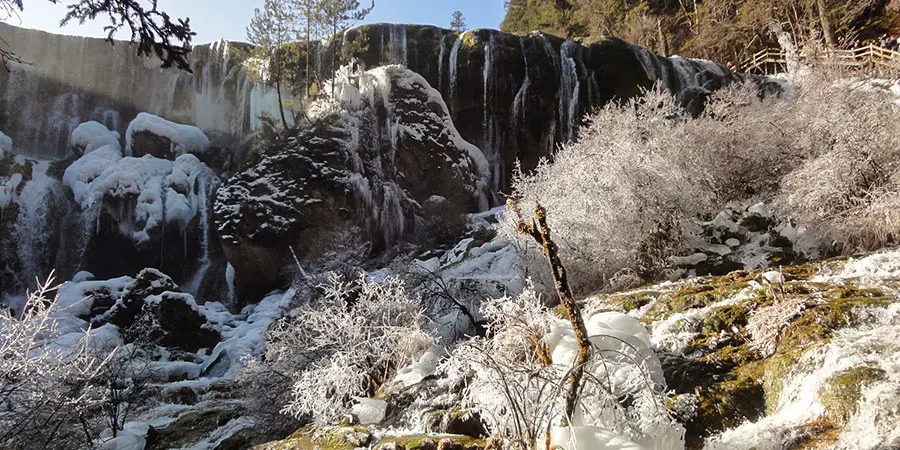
(359, 95)
(156, 208)
(489, 143)
(74, 80)
(569, 88)
(397, 44)
(388, 141)
(518, 110)
(454, 65)
(41, 204)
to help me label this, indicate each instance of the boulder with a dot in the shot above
(182, 395)
(152, 135)
(148, 283)
(353, 183)
(178, 323)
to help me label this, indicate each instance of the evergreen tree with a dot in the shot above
(457, 21)
(310, 22)
(270, 29)
(338, 16)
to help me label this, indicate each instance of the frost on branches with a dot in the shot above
(343, 343)
(47, 375)
(625, 197)
(518, 377)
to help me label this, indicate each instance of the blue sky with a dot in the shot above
(217, 19)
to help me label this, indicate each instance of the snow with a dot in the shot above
(132, 437)
(8, 194)
(150, 190)
(75, 298)
(248, 338)
(422, 366)
(6, 144)
(90, 136)
(79, 176)
(588, 437)
(369, 411)
(184, 138)
(613, 335)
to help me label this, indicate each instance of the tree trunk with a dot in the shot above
(663, 41)
(306, 74)
(281, 105)
(540, 232)
(827, 30)
(334, 51)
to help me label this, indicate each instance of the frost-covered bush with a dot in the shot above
(517, 378)
(48, 393)
(625, 194)
(345, 342)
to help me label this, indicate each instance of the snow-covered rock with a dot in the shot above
(382, 148)
(132, 207)
(152, 135)
(90, 136)
(6, 144)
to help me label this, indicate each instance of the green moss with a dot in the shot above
(725, 318)
(695, 295)
(841, 393)
(634, 300)
(818, 322)
(470, 39)
(326, 438)
(802, 272)
(819, 434)
(417, 441)
(726, 405)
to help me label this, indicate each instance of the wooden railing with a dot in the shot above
(870, 58)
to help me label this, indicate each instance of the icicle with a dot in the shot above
(454, 67)
(441, 64)
(486, 78)
(398, 44)
(569, 88)
(521, 96)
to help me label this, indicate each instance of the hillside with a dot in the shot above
(727, 31)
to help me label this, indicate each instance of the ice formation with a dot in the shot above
(184, 138)
(90, 136)
(6, 144)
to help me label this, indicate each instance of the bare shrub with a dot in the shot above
(519, 390)
(622, 195)
(345, 342)
(47, 383)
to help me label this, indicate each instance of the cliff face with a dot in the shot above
(445, 137)
(515, 97)
(71, 80)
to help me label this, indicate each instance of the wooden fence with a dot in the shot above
(871, 59)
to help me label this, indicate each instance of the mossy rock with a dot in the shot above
(693, 296)
(635, 300)
(819, 321)
(725, 405)
(817, 435)
(428, 442)
(841, 394)
(340, 437)
(725, 318)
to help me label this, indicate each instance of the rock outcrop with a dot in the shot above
(360, 176)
